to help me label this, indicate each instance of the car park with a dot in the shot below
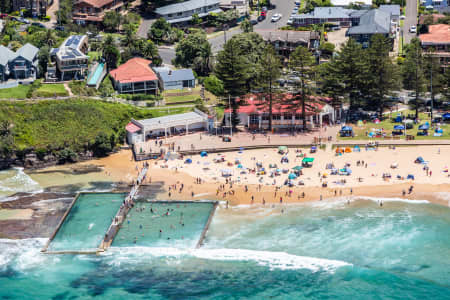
(276, 17)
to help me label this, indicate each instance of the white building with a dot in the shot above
(139, 131)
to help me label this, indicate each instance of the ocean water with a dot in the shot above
(323, 250)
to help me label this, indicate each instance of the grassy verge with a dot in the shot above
(51, 90)
(388, 126)
(181, 99)
(19, 92)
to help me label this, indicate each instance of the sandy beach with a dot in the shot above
(364, 181)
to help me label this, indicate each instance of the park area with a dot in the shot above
(402, 127)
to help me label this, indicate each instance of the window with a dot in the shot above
(254, 119)
(276, 117)
(298, 116)
(287, 116)
(265, 117)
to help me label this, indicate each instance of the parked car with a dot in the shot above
(413, 29)
(402, 17)
(276, 17)
(290, 21)
(2, 16)
(264, 14)
(253, 22)
(261, 18)
(297, 2)
(264, 8)
(38, 24)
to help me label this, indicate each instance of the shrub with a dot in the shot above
(214, 85)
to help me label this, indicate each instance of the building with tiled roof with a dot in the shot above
(437, 40)
(253, 111)
(93, 11)
(135, 76)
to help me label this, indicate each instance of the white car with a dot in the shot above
(276, 17)
(413, 29)
(402, 17)
(290, 21)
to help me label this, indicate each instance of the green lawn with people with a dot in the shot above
(388, 126)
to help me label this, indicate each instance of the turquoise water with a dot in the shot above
(181, 224)
(96, 76)
(87, 222)
(308, 251)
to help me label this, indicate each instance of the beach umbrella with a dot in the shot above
(278, 170)
(446, 116)
(282, 149)
(399, 127)
(292, 176)
(424, 127)
(188, 161)
(203, 153)
(297, 168)
(239, 166)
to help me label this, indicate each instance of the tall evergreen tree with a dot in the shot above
(232, 69)
(302, 61)
(433, 76)
(194, 51)
(382, 74)
(413, 74)
(110, 52)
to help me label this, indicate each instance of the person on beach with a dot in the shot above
(253, 199)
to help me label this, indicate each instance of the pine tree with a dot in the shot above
(270, 71)
(434, 77)
(345, 74)
(413, 74)
(302, 61)
(382, 74)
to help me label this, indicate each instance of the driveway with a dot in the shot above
(51, 12)
(410, 20)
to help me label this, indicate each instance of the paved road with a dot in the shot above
(410, 20)
(282, 6)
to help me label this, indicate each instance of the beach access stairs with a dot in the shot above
(122, 212)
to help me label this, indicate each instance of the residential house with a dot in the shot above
(434, 17)
(175, 79)
(24, 62)
(93, 11)
(375, 21)
(437, 42)
(135, 76)
(345, 3)
(393, 10)
(182, 12)
(36, 7)
(435, 4)
(71, 59)
(337, 15)
(253, 112)
(5, 56)
(285, 41)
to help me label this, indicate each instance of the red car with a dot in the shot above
(264, 14)
(2, 16)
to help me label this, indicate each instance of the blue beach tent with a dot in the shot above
(188, 161)
(424, 127)
(446, 116)
(203, 153)
(399, 127)
(292, 176)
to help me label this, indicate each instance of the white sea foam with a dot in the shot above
(19, 181)
(378, 199)
(24, 253)
(444, 196)
(273, 260)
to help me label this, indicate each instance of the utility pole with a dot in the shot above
(431, 90)
(231, 111)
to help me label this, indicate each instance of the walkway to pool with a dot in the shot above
(123, 211)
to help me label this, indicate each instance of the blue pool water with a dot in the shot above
(308, 251)
(87, 222)
(97, 73)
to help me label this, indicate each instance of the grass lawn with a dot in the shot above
(170, 111)
(51, 90)
(19, 92)
(388, 126)
(181, 99)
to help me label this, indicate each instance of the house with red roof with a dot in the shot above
(253, 112)
(135, 76)
(93, 11)
(438, 40)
